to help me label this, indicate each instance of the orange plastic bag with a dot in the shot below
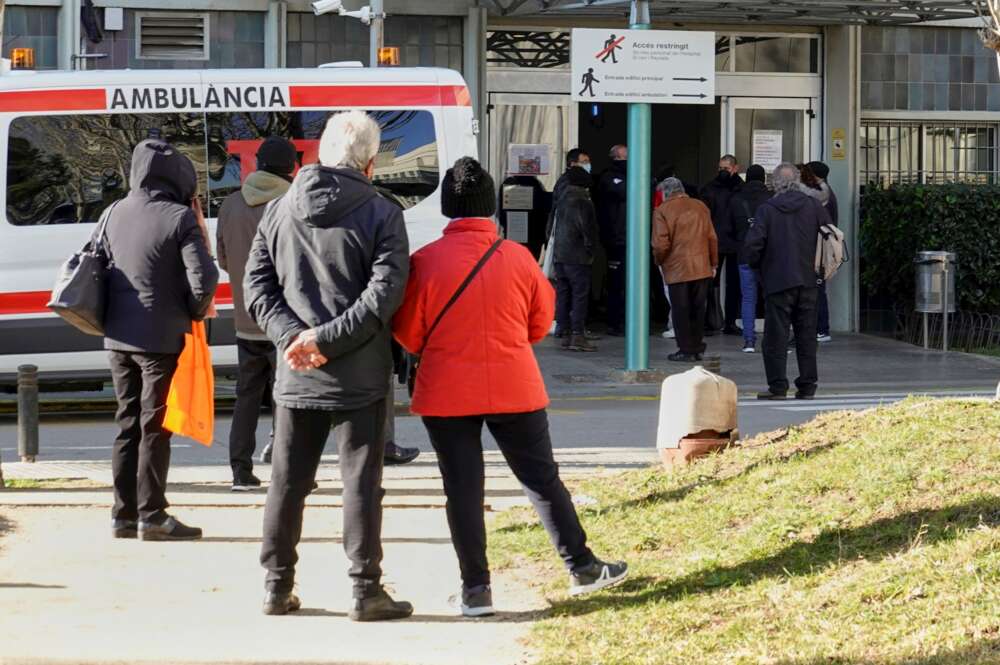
(191, 400)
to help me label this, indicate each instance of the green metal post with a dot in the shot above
(640, 201)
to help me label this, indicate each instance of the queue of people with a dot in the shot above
(327, 284)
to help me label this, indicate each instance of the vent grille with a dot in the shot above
(170, 36)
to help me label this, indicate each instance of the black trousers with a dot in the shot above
(299, 440)
(729, 266)
(572, 296)
(616, 287)
(796, 308)
(524, 441)
(688, 304)
(256, 360)
(141, 456)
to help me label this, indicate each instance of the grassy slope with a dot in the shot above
(859, 538)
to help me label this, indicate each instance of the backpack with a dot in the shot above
(831, 251)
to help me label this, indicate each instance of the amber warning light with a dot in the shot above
(22, 58)
(388, 56)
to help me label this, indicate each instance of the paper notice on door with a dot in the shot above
(517, 227)
(518, 197)
(767, 148)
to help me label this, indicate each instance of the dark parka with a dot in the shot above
(576, 233)
(611, 198)
(164, 276)
(782, 242)
(743, 207)
(332, 255)
(718, 195)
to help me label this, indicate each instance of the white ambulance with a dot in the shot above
(65, 145)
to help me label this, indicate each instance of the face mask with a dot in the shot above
(586, 167)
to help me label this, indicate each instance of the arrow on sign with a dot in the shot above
(702, 79)
(701, 96)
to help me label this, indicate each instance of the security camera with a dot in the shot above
(326, 6)
(364, 15)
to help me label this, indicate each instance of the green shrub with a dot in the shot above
(900, 221)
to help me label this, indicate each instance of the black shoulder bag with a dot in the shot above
(80, 293)
(411, 380)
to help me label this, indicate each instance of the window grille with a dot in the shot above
(903, 152)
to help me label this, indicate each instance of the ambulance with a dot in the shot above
(65, 145)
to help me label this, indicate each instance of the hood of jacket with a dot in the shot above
(791, 202)
(822, 194)
(321, 196)
(755, 187)
(161, 172)
(262, 187)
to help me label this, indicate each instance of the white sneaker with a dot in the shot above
(668, 334)
(749, 348)
(822, 339)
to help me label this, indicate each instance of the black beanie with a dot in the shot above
(468, 191)
(276, 155)
(756, 173)
(821, 170)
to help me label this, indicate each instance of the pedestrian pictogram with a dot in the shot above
(588, 83)
(611, 47)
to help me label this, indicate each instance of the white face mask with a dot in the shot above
(586, 167)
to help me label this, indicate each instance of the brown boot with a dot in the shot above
(581, 343)
(565, 341)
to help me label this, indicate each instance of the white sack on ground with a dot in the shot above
(692, 402)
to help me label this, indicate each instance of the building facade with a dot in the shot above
(905, 102)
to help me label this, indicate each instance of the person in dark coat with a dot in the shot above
(718, 195)
(239, 217)
(822, 172)
(743, 211)
(327, 271)
(573, 230)
(163, 278)
(782, 246)
(611, 201)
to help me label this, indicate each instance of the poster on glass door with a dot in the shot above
(767, 148)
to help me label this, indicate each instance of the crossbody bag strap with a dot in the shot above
(461, 289)
(99, 241)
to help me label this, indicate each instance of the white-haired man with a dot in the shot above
(782, 246)
(326, 273)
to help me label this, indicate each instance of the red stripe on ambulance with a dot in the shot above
(92, 99)
(33, 302)
(379, 95)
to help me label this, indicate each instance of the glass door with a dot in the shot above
(768, 131)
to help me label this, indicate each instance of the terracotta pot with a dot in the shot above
(695, 446)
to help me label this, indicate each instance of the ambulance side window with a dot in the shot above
(407, 168)
(68, 169)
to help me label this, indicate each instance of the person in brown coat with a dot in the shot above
(687, 250)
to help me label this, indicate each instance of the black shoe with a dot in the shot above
(477, 601)
(124, 529)
(171, 529)
(560, 333)
(245, 482)
(279, 604)
(396, 455)
(732, 331)
(615, 332)
(774, 397)
(596, 576)
(802, 395)
(380, 607)
(711, 333)
(681, 357)
(592, 336)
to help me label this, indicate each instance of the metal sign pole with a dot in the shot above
(377, 31)
(640, 201)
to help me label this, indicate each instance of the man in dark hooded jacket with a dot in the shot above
(612, 196)
(782, 246)
(163, 278)
(574, 233)
(718, 195)
(239, 217)
(327, 271)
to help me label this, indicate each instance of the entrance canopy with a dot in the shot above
(793, 12)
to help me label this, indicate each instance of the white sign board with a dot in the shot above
(528, 159)
(517, 227)
(643, 66)
(767, 148)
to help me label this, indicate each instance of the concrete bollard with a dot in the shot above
(27, 412)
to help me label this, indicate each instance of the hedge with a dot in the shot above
(900, 221)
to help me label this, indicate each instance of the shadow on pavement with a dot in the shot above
(29, 585)
(333, 539)
(499, 617)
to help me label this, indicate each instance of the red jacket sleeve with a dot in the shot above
(543, 304)
(409, 326)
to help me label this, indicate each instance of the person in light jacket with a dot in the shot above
(163, 278)
(327, 271)
(478, 368)
(687, 251)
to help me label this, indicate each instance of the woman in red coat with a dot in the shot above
(477, 367)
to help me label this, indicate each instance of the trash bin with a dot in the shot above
(930, 281)
(935, 290)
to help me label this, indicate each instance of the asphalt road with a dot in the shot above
(610, 420)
